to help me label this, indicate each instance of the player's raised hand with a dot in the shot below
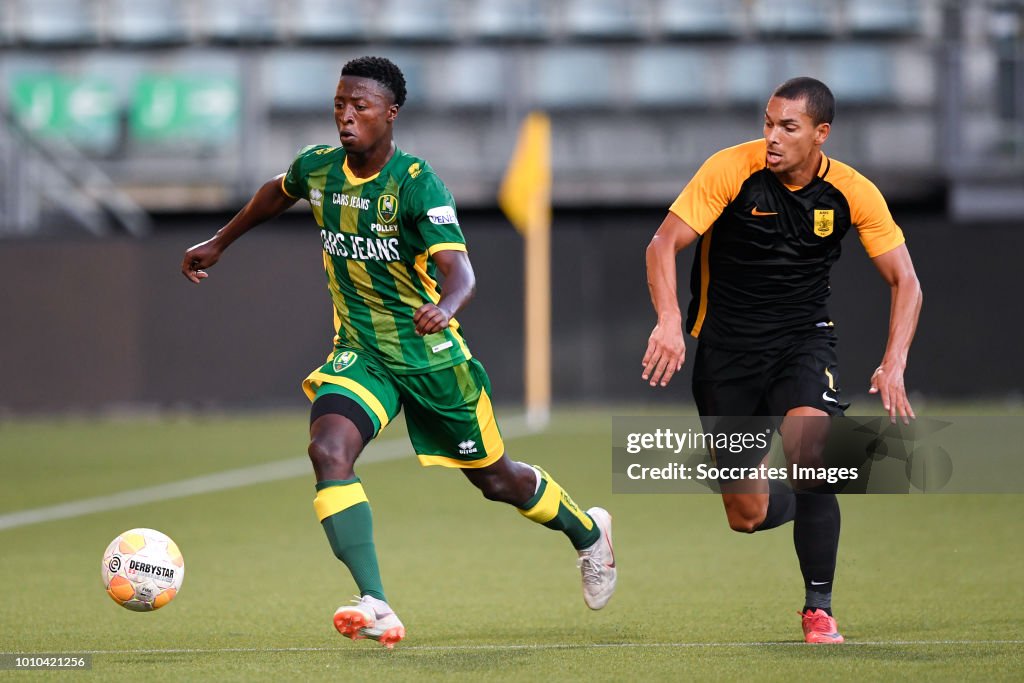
(666, 352)
(429, 319)
(887, 382)
(199, 256)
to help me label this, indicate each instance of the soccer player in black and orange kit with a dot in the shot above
(768, 217)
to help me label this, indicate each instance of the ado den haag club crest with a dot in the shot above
(344, 360)
(387, 208)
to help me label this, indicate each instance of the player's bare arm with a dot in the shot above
(898, 272)
(268, 202)
(459, 288)
(666, 349)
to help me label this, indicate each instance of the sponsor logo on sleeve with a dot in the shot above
(442, 215)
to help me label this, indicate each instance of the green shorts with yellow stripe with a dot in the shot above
(448, 412)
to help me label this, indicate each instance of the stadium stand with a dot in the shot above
(668, 64)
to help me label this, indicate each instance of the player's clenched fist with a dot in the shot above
(202, 255)
(429, 319)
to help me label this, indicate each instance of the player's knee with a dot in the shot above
(746, 520)
(745, 525)
(329, 454)
(504, 481)
(495, 488)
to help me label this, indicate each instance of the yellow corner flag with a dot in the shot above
(525, 197)
(525, 194)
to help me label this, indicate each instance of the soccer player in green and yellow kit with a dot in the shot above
(389, 226)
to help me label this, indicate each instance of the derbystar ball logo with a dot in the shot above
(442, 215)
(316, 197)
(345, 359)
(136, 567)
(467, 447)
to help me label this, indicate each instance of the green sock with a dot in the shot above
(346, 517)
(552, 507)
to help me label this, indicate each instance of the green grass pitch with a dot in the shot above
(927, 587)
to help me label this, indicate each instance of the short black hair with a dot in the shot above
(820, 102)
(380, 69)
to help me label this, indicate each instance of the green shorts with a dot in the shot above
(448, 412)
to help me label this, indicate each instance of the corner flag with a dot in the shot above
(525, 198)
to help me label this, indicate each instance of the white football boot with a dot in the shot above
(597, 563)
(369, 618)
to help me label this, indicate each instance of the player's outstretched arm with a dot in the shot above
(897, 270)
(268, 202)
(666, 349)
(459, 288)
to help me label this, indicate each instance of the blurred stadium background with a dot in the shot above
(131, 129)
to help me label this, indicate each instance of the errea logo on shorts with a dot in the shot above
(344, 360)
(467, 447)
(442, 215)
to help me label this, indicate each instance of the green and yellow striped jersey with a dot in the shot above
(378, 235)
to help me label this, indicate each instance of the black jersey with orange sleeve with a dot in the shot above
(761, 268)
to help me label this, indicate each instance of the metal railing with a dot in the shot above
(50, 187)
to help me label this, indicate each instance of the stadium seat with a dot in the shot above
(468, 77)
(750, 74)
(239, 21)
(571, 77)
(511, 19)
(883, 17)
(326, 20)
(660, 76)
(6, 24)
(700, 18)
(145, 21)
(606, 19)
(859, 74)
(55, 22)
(302, 80)
(796, 17)
(416, 20)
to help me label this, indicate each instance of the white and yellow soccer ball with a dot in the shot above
(143, 570)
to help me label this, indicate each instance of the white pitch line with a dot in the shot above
(533, 646)
(390, 449)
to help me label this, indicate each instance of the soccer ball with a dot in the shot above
(143, 570)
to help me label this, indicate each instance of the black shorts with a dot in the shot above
(749, 391)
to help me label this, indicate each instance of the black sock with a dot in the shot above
(826, 610)
(816, 538)
(781, 505)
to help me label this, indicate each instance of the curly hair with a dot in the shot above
(380, 69)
